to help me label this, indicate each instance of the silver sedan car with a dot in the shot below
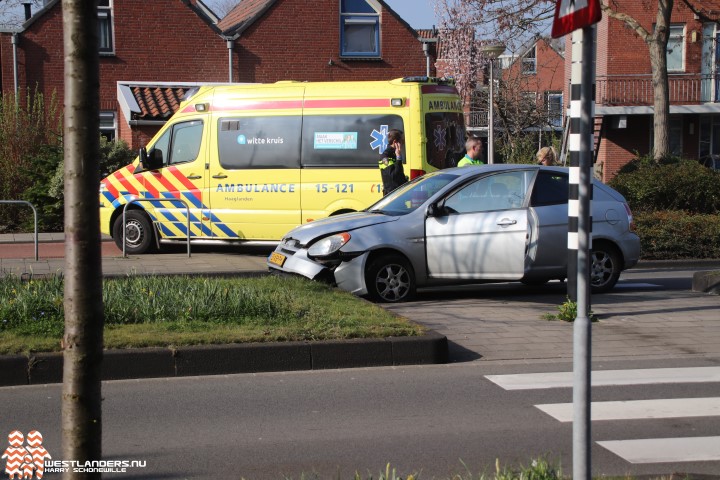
(491, 223)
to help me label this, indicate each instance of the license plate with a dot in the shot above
(277, 259)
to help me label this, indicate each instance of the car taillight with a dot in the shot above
(631, 223)
(416, 173)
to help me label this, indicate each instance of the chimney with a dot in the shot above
(28, 13)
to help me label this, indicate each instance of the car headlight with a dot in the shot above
(328, 245)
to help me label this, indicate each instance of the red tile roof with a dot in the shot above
(157, 103)
(244, 13)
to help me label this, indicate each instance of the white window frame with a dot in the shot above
(552, 115)
(106, 118)
(676, 36)
(529, 63)
(356, 18)
(105, 19)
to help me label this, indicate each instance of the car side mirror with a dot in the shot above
(436, 210)
(151, 160)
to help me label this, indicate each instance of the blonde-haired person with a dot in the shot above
(546, 156)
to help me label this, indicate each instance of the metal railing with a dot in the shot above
(23, 202)
(688, 88)
(137, 200)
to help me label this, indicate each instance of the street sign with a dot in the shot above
(571, 15)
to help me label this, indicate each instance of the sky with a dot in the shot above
(418, 13)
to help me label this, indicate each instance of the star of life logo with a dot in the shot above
(26, 458)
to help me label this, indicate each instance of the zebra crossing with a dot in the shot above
(636, 451)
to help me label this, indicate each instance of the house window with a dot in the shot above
(108, 125)
(554, 108)
(675, 49)
(105, 26)
(359, 28)
(529, 62)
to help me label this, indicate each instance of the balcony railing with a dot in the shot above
(630, 90)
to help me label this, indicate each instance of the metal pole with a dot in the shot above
(582, 327)
(491, 120)
(35, 219)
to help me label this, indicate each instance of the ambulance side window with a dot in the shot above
(161, 146)
(180, 143)
(343, 141)
(186, 140)
(259, 142)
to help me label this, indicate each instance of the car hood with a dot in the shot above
(305, 234)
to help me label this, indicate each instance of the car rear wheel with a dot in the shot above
(139, 234)
(604, 269)
(390, 279)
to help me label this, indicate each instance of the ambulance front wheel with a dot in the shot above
(138, 232)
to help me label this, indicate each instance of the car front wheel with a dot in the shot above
(390, 279)
(604, 269)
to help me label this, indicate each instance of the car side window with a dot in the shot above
(551, 188)
(495, 192)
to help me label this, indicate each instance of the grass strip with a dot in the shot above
(166, 311)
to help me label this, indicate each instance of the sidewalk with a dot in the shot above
(218, 261)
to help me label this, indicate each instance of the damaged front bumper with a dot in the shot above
(347, 274)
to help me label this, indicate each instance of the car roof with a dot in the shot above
(504, 167)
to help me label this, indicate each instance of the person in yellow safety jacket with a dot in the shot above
(473, 147)
(391, 162)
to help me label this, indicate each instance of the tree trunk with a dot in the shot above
(83, 338)
(661, 95)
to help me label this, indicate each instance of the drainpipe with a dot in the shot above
(426, 49)
(230, 41)
(15, 39)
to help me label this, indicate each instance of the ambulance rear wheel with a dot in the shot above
(139, 233)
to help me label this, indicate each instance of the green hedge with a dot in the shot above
(679, 185)
(675, 234)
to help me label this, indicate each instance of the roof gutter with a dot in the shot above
(140, 123)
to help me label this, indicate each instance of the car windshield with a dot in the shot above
(411, 195)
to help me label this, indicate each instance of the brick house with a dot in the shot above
(532, 78)
(624, 93)
(152, 52)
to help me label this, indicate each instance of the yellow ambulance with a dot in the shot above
(250, 162)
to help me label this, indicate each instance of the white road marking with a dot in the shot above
(639, 409)
(662, 450)
(531, 381)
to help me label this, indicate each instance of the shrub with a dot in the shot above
(678, 234)
(31, 159)
(26, 128)
(672, 184)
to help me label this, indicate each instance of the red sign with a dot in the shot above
(571, 15)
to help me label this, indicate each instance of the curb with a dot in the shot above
(707, 282)
(42, 368)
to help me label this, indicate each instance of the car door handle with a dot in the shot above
(220, 175)
(506, 222)
(194, 177)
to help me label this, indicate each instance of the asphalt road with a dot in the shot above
(431, 419)
(333, 423)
